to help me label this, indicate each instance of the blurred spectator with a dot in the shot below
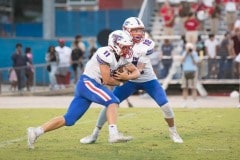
(29, 72)
(191, 26)
(167, 13)
(166, 57)
(189, 77)
(64, 54)
(202, 65)
(230, 9)
(155, 60)
(92, 47)
(12, 79)
(19, 64)
(237, 64)
(184, 10)
(211, 46)
(215, 17)
(165, 8)
(226, 53)
(236, 46)
(200, 47)
(52, 60)
(237, 23)
(169, 21)
(203, 11)
(78, 50)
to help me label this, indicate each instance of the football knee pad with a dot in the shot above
(167, 111)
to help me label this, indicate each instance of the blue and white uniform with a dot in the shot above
(147, 81)
(90, 88)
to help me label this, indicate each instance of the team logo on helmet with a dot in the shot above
(116, 38)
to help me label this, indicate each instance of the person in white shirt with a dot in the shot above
(64, 55)
(211, 45)
(231, 14)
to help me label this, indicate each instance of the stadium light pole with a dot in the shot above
(48, 19)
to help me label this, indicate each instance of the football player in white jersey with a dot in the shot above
(91, 88)
(147, 81)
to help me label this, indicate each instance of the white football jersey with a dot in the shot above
(103, 55)
(141, 52)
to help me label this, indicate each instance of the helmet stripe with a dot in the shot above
(138, 21)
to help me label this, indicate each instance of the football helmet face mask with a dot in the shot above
(135, 27)
(121, 43)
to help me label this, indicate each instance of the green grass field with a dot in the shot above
(207, 133)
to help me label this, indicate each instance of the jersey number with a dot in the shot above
(147, 42)
(106, 53)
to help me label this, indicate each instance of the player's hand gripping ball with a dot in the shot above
(117, 74)
(119, 69)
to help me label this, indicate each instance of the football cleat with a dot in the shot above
(175, 137)
(89, 139)
(119, 138)
(31, 137)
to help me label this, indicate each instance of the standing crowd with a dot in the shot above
(22, 73)
(217, 51)
(61, 61)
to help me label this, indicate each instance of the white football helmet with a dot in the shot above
(121, 43)
(135, 27)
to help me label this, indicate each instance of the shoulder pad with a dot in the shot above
(104, 56)
(146, 46)
(150, 47)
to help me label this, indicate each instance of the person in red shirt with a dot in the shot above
(167, 13)
(183, 11)
(191, 26)
(165, 8)
(168, 19)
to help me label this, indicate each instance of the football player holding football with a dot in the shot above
(91, 88)
(147, 81)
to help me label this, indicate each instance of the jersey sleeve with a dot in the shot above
(104, 56)
(148, 47)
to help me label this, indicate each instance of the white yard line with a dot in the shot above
(213, 149)
(9, 142)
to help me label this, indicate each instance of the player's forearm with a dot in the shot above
(134, 75)
(111, 82)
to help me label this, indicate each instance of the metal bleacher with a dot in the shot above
(154, 26)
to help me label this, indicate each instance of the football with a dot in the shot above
(120, 69)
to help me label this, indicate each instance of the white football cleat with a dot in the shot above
(175, 137)
(119, 138)
(31, 137)
(89, 139)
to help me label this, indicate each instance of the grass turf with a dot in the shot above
(207, 134)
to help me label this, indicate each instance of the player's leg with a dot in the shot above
(102, 118)
(155, 90)
(77, 108)
(102, 95)
(130, 105)
(122, 92)
(73, 114)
